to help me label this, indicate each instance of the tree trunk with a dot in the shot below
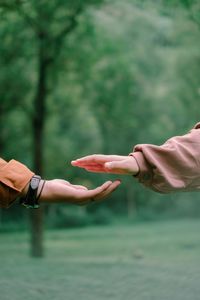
(1, 150)
(36, 218)
(2, 129)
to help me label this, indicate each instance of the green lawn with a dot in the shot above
(157, 261)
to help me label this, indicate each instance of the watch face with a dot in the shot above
(30, 200)
(35, 182)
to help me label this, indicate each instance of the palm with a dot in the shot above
(59, 190)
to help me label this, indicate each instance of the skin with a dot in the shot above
(114, 164)
(62, 191)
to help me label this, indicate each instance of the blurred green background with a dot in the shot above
(82, 77)
(91, 76)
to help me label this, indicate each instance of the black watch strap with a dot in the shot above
(31, 200)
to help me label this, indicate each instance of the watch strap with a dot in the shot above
(31, 200)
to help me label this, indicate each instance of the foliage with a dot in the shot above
(116, 73)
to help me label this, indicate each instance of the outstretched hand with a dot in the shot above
(115, 164)
(58, 190)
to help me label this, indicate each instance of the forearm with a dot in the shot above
(14, 179)
(174, 166)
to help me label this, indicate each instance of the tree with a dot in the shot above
(50, 22)
(120, 74)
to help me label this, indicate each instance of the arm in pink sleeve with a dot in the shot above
(173, 166)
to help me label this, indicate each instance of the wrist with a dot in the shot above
(40, 189)
(25, 190)
(44, 191)
(31, 193)
(134, 166)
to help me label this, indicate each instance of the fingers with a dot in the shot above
(112, 167)
(100, 196)
(62, 191)
(98, 163)
(92, 160)
(99, 190)
(92, 166)
(96, 170)
(127, 166)
(97, 194)
(117, 167)
(108, 191)
(104, 170)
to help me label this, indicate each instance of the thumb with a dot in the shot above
(114, 165)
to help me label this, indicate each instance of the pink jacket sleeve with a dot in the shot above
(173, 166)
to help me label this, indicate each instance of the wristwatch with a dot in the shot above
(31, 200)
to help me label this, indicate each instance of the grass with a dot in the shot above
(157, 261)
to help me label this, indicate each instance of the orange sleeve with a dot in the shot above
(14, 176)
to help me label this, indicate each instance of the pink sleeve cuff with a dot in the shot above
(173, 166)
(145, 174)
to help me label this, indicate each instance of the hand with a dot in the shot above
(115, 164)
(59, 190)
